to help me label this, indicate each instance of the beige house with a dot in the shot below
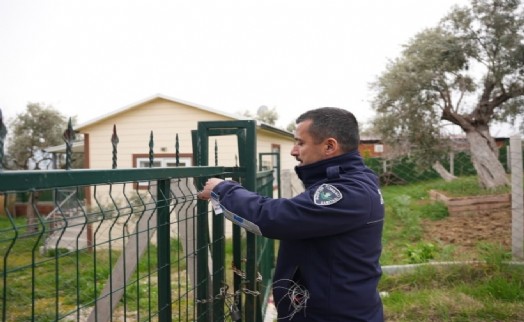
(165, 118)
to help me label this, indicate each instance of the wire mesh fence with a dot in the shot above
(80, 262)
(126, 252)
(131, 244)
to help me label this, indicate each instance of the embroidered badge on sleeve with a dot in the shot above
(326, 195)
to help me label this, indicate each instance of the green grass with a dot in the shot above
(491, 291)
(482, 292)
(74, 279)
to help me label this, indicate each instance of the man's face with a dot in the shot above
(305, 150)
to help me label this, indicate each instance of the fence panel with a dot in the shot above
(113, 258)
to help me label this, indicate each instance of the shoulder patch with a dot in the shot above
(326, 195)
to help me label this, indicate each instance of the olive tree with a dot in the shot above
(264, 114)
(31, 132)
(468, 71)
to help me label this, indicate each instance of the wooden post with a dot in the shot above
(517, 199)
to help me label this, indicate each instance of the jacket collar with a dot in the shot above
(329, 168)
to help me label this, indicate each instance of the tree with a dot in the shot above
(291, 127)
(264, 114)
(31, 132)
(269, 116)
(469, 72)
(34, 130)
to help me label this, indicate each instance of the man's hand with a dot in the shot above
(205, 194)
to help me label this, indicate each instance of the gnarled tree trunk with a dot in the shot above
(484, 155)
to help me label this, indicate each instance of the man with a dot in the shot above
(330, 235)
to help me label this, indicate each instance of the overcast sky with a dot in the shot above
(88, 58)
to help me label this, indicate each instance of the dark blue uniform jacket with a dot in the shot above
(330, 239)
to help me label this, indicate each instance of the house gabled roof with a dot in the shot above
(149, 99)
(172, 99)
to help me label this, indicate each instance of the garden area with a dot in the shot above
(419, 230)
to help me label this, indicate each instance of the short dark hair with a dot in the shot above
(333, 122)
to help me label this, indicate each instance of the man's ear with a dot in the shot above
(331, 147)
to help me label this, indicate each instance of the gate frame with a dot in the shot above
(245, 132)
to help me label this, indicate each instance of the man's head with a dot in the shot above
(324, 133)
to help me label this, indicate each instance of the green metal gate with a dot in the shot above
(133, 244)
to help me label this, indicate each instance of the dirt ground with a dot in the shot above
(465, 231)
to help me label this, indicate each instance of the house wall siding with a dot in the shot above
(164, 118)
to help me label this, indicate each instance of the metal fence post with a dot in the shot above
(517, 199)
(201, 155)
(247, 145)
(164, 251)
(452, 163)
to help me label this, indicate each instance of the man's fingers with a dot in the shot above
(202, 195)
(205, 193)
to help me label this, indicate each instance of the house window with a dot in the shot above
(163, 162)
(379, 148)
(159, 162)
